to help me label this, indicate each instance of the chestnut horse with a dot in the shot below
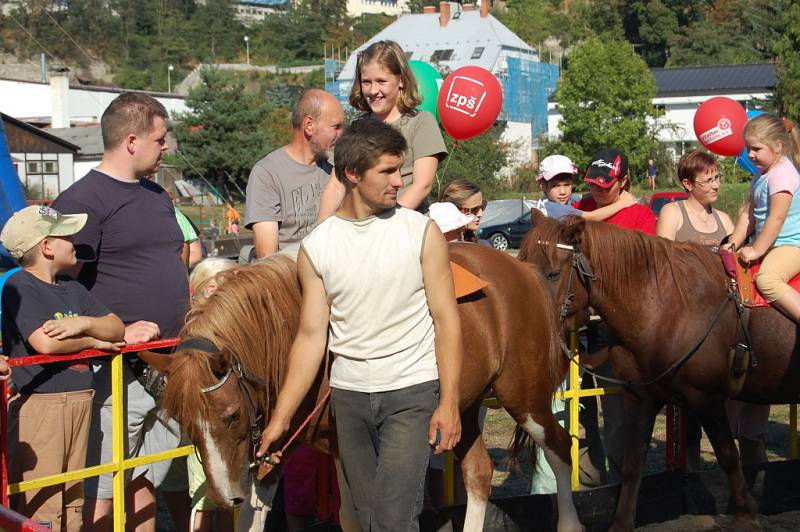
(235, 350)
(666, 302)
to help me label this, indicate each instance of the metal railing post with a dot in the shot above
(449, 479)
(793, 431)
(574, 408)
(118, 435)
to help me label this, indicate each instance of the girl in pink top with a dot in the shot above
(772, 215)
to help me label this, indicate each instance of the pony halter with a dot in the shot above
(244, 379)
(581, 266)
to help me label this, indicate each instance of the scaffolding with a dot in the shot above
(332, 69)
(527, 86)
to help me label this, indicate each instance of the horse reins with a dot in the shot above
(581, 265)
(245, 380)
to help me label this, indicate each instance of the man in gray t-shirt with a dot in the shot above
(284, 188)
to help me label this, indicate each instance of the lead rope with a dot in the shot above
(267, 458)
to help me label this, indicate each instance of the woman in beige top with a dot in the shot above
(694, 219)
(385, 89)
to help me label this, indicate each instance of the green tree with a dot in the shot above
(605, 98)
(534, 20)
(731, 32)
(224, 133)
(788, 51)
(478, 159)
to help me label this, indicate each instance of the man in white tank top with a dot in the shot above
(377, 290)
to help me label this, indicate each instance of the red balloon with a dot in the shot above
(469, 102)
(719, 125)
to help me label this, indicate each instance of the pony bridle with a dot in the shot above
(246, 382)
(580, 265)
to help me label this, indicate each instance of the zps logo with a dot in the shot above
(465, 95)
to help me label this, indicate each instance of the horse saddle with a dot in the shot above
(745, 277)
(466, 282)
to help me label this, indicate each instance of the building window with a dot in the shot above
(442, 55)
(41, 181)
(477, 52)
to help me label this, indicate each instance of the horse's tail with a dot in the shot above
(521, 441)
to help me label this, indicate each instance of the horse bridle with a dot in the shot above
(244, 379)
(581, 266)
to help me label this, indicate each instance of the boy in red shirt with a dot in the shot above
(607, 177)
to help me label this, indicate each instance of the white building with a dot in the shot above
(356, 8)
(59, 104)
(682, 90)
(251, 12)
(44, 162)
(460, 35)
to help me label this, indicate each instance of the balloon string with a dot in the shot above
(440, 175)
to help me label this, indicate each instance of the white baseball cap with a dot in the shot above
(448, 217)
(554, 165)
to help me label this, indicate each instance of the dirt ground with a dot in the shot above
(499, 428)
(785, 522)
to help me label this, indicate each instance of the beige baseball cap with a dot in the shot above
(31, 225)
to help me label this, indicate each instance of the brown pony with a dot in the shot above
(510, 345)
(660, 299)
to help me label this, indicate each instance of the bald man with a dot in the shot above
(284, 188)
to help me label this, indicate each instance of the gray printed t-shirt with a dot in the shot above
(283, 190)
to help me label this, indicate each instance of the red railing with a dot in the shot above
(49, 359)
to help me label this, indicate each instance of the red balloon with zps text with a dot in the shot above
(719, 125)
(469, 102)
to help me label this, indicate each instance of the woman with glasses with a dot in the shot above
(695, 219)
(467, 196)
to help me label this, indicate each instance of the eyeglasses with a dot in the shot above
(708, 182)
(473, 210)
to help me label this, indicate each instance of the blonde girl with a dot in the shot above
(385, 89)
(772, 215)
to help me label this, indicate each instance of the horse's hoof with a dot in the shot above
(576, 527)
(745, 523)
(617, 527)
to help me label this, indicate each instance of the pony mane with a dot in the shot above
(253, 314)
(625, 260)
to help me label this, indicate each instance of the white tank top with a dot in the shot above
(381, 329)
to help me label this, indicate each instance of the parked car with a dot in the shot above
(659, 199)
(507, 235)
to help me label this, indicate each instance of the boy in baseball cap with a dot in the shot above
(28, 227)
(49, 419)
(556, 174)
(608, 180)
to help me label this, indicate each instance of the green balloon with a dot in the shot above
(428, 82)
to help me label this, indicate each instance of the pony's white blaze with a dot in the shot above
(214, 465)
(476, 513)
(567, 515)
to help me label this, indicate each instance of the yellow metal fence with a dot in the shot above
(119, 464)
